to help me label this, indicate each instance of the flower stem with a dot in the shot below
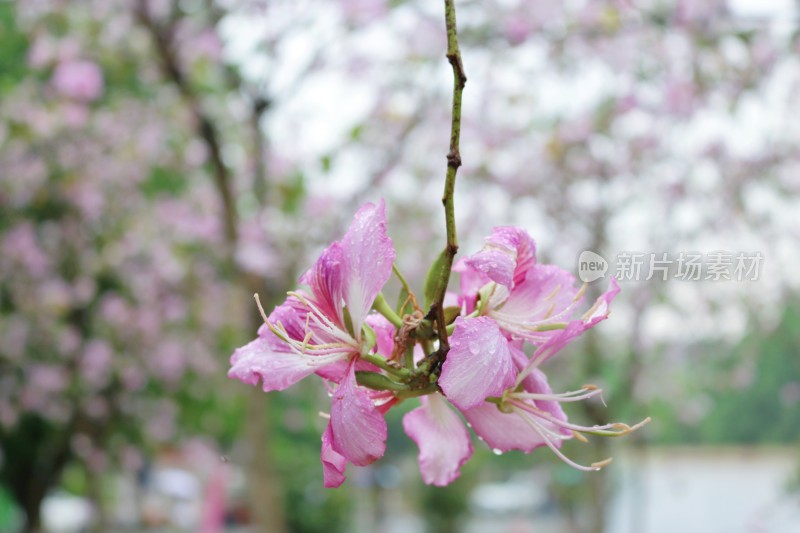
(381, 363)
(382, 306)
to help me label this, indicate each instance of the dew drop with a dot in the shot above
(497, 451)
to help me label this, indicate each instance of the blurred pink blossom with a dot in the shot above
(360, 12)
(96, 363)
(79, 80)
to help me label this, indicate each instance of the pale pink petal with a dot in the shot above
(503, 431)
(471, 282)
(338, 370)
(359, 429)
(452, 299)
(367, 257)
(546, 295)
(602, 306)
(478, 364)
(506, 257)
(333, 463)
(259, 360)
(443, 440)
(558, 340)
(385, 333)
(291, 314)
(325, 280)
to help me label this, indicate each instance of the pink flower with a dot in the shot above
(78, 80)
(512, 300)
(325, 331)
(518, 300)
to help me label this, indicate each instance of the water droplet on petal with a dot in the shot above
(497, 451)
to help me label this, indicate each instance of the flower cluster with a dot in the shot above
(373, 360)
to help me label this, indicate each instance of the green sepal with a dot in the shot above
(382, 306)
(433, 279)
(451, 313)
(348, 321)
(368, 338)
(375, 381)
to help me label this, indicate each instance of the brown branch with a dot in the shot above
(206, 129)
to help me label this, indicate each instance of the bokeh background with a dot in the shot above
(161, 160)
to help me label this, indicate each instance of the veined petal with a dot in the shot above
(325, 280)
(555, 343)
(478, 364)
(358, 427)
(507, 256)
(278, 369)
(443, 440)
(503, 431)
(291, 314)
(367, 257)
(548, 294)
(333, 463)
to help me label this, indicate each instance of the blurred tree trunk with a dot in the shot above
(598, 481)
(264, 486)
(266, 498)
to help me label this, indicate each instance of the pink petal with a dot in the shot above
(602, 306)
(471, 282)
(506, 257)
(291, 314)
(325, 280)
(558, 340)
(503, 431)
(278, 369)
(367, 257)
(333, 463)
(546, 295)
(385, 333)
(359, 429)
(338, 370)
(270, 359)
(479, 363)
(443, 440)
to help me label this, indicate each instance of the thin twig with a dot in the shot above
(453, 162)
